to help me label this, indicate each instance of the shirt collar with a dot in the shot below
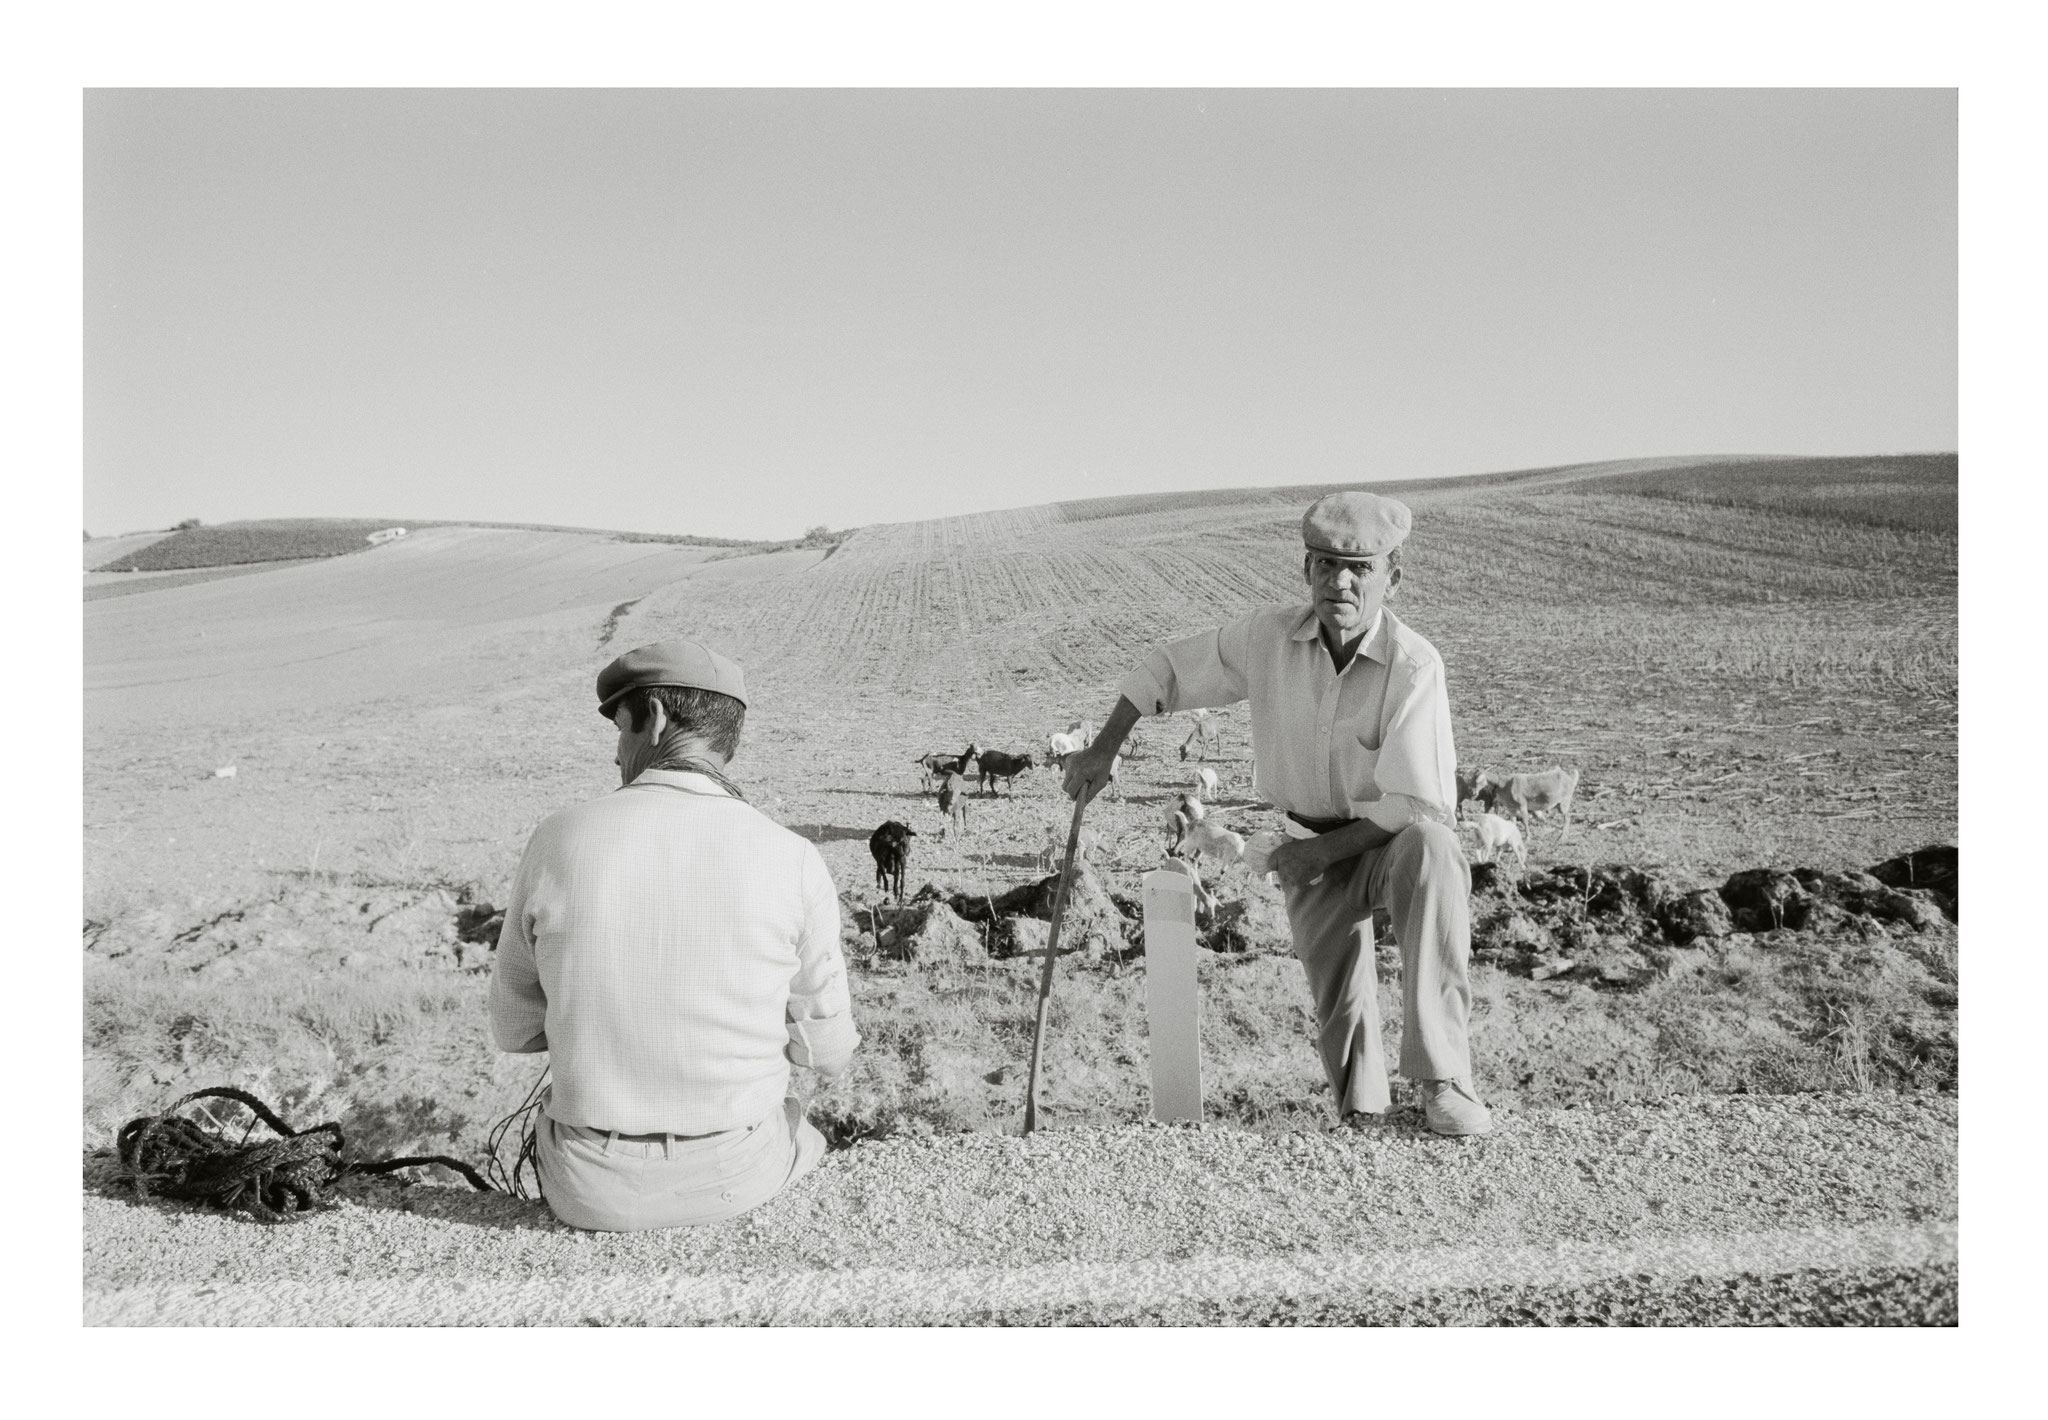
(688, 779)
(1377, 640)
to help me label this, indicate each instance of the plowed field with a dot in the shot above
(1739, 685)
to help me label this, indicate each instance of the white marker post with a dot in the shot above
(1171, 998)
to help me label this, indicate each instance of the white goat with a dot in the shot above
(1206, 781)
(1212, 838)
(1496, 833)
(1205, 901)
(1204, 737)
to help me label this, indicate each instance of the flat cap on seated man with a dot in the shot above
(1351, 733)
(675, 952)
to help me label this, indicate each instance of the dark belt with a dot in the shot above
(1320, 825)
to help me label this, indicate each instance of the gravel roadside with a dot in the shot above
(1702, 1209)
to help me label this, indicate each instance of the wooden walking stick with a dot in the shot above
(1052, 950)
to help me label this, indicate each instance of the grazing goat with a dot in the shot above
(938, 766)
(953, 803)
(1470, 782)
(1055, 849)
(1205, 901)
(891, 846)
(1496, 833)
(1207, 735)
(1187, 811)
(1206, 781)
(1526, 795)
(1071, 740)
(995, 765)
(1214, 839)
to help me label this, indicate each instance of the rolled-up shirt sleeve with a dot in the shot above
(518, 1005)
(1195, 673)
(820, 1013)
(1393, 812)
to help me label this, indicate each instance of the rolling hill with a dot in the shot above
(1751, 662)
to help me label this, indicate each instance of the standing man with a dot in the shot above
(674, 952)
(1351, 732)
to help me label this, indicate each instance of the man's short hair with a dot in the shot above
(717, 718)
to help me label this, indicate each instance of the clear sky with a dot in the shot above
(746, 312)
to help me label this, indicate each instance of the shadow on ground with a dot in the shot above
(830, 833)
(459, 1203)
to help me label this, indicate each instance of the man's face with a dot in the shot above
(1348, 591)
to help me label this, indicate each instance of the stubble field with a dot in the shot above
(1751, 664)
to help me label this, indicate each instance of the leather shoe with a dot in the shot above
(1451, 1108)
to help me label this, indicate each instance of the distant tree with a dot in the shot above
(187, 524)
(820, 536)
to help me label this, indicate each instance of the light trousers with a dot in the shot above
(592, 1178)
(1421, 880)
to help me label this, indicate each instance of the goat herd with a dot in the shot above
(1191, 832)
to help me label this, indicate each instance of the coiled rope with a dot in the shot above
(526, 1119)
(273, 1180)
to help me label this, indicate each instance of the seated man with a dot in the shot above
(674, 952)
(1351, 734)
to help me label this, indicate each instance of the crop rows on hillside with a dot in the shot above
(1578, 625)
(1301, 494)
(231, 544)
(1575, 549)
(299, 539)
(1596, 582)
(1916, 492)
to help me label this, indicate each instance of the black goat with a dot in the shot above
(994, 764)
(891, 846)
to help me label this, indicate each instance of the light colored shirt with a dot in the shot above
(1372, 741)
(674, 951)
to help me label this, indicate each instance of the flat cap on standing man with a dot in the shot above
(675, 952)
(1351, 733)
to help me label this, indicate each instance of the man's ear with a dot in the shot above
(1393, 580)
(1306, 575)
(657, 719)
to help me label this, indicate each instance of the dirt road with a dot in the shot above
(1719, 1210)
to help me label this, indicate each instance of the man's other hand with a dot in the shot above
(1088, 770)
(1298, 862)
